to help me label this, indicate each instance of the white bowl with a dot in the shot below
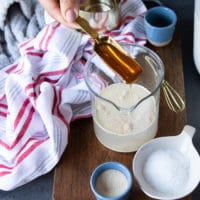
(168, 167)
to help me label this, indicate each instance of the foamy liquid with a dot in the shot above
(125, 132)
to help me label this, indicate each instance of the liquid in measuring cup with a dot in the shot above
(120, 131)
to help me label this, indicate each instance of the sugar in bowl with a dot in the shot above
(125, 116)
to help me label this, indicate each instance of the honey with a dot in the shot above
(120, 62)
(113, 54)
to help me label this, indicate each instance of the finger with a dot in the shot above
(69, 9)
(53, 9)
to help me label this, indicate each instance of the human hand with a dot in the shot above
(63, 11)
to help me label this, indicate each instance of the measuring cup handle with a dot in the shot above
(189, 130)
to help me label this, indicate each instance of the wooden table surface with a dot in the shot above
(84, 152)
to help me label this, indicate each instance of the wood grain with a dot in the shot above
(84, 152)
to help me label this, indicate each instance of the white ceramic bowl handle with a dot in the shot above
(189, 130)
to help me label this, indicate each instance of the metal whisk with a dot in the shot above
(173, 99)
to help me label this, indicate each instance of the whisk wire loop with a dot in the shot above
(173, 99)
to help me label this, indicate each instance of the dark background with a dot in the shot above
(41, 188)
(185, 11)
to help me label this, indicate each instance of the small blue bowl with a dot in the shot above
(115, 166)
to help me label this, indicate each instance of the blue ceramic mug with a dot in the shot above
(159, 23)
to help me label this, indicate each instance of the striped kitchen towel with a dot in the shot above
(44, 90)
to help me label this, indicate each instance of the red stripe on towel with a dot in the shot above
(4, 173)
(21, 133)
(37, 54)
(44, 36)
(2, 105)
(22, 157)
(22, 45)
(50, 35)
(11, 68)
(3, 114)
(21, 113)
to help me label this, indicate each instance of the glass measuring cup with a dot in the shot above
(125, 126)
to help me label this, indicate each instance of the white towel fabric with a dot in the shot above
(44, 90)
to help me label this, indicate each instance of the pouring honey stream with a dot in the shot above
(113, 54)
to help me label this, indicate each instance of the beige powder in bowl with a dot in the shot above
(111, 183)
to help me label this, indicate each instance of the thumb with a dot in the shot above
(69, 10)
